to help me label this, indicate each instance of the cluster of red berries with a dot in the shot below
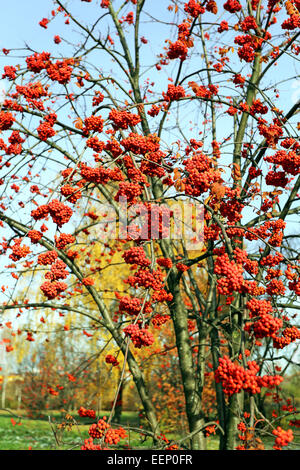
(102, 429)
(98, 98)
(232, 6)
(177, 49)
(38, 61)
(209, 430)
(123, 119)
(40, 213)
(9, 72)
(259, 307)
(140, 144)
(113, 436)
(129, 18)
(47, 258)
(113, 147)
(83, 412)
(89, 443)
(129, 191)
(240, 255)
(53, 289)
(232, 275)
(166, 262)
(248, 23)
(182, 267)
(211, 232)
(63, 240)
(100, 175)
(152, 166)
(154, 110)
(231, 209)
(277, 179)
(44, 22)
(12, 105)
(147, 279)
(159, 320)
(268, 204)
(59, 212)
(247, 51)
(272, 260)
(87, 281)
(45, 131)
(235, 378)
(254, 172)
(136, 255)
(95, 144)
(34, 235)
(15, 147)
(289, 161)
(133, 173)
(93, 123)
(174, 93)
(275, 287)
(290, 143)
(97, 430)
(202, 91)
(32, 91)
(161, 295)
(194, 8)
(72, 194)
(265, 326)
(110, 359)
(60, 71)
(295, 286)
(283, 438)
(19, 251)
(201, 174)
(289, 335)
(291, 23)
(133, 305)
(6, 120)
(139, 336)
(57, 271)
(223, 26)
(258, 108)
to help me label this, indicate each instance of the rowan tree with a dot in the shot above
(139, 112)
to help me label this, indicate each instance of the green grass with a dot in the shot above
(38, 434)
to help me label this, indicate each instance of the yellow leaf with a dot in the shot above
(78, 123)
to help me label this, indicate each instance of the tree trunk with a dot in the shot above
(187, 367)
(236, 400)
(235, 404)
(221, 407)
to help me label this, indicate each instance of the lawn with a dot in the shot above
(36, 434)
(44, 434)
